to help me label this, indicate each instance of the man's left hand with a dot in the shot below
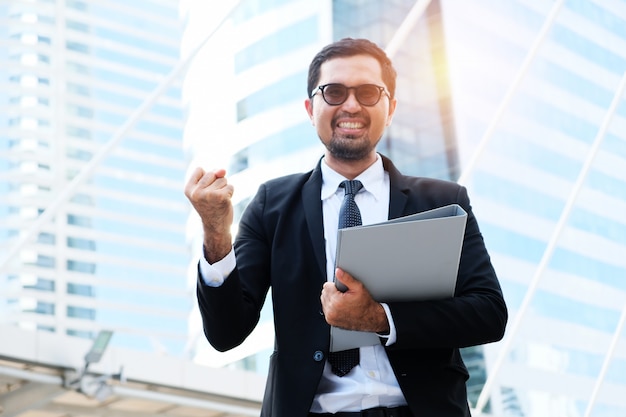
(354, 309)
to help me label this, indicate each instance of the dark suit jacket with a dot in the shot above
(280, 244)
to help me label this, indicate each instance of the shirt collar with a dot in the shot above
(372, 179)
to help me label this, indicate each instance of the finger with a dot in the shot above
(344, 277)
(214, 179)
(195, 176)
(328, 288)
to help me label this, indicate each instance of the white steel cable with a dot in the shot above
(547, 254)
(620, 325)
(547, 25)
(607, 361)
(405, 27)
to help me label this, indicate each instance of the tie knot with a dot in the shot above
(351, 186)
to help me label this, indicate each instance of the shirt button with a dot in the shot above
(372, 374)
(318, 356)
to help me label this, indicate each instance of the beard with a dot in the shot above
(349, 148)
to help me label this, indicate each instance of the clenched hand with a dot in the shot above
(354, 309)
(210, 194)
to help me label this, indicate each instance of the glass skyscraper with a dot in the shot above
(72, 75)
(551, 70)
(245, 94)
(263, 130)
(528, 84)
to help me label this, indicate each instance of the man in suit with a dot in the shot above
(287, 241)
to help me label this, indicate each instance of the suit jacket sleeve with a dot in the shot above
(231, 311)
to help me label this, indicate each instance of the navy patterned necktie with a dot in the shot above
(343, 361)
(349, 214)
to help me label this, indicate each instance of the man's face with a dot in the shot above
(350, 131)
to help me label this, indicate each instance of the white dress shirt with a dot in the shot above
(372, 383)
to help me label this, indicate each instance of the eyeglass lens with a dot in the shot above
(366, 94)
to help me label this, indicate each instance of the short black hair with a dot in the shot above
(348, 47)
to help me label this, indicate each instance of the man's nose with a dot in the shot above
(351, 102)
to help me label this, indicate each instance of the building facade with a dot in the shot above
(520, 87)
(113, 256)
(526, 89)
(259, 129)
(533, 84)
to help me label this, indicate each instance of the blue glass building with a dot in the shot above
(114, 256)
(525, 187)
(474, 76)
(267, 132)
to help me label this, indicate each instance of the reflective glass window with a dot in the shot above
(277, 44)
(273, 95)
(81, 312)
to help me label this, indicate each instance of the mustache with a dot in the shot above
(359, 115)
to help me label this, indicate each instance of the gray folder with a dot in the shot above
(412, 258)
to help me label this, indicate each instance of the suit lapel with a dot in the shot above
(398, 193)
(312, 203)
(398, 199)
(397, 202)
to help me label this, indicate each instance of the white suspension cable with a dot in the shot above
(622, 321)
(607, 361)
(547, 25)
(547, 254)
(88, 169)
(406, 26)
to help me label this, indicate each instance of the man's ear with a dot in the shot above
(392, 109)
(308, 104)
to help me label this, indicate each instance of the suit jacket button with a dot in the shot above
(318, 356)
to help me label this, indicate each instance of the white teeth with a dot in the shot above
(350, 125)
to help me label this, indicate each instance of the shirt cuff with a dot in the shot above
(213, 275)
(391, 337)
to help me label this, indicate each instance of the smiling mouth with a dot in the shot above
(350, 125)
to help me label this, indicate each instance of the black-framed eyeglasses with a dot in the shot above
(336, 94)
